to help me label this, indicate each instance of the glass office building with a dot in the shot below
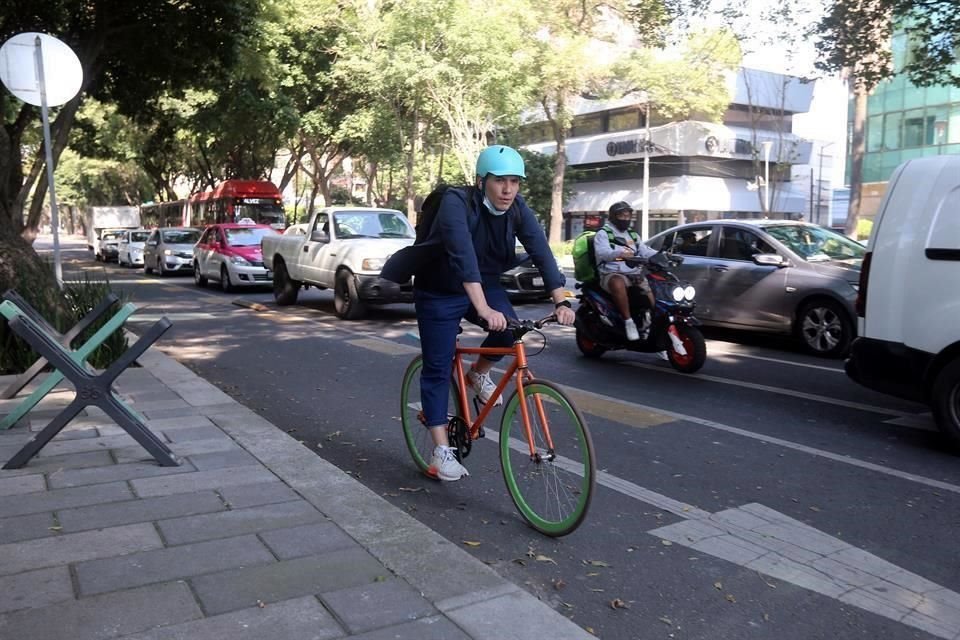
(903, 122)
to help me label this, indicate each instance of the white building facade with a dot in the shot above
(698, 171)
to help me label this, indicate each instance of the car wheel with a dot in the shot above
(946, 401)
(225, 283)
(824, 328)
(345, 300)
(198, 278)
(588, 347)
(285, 290)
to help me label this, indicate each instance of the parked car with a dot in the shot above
(170, 250)
(107, 245)
(777, 276)
(909, 344)
(344, 249)
(230, 254)
(130, 248)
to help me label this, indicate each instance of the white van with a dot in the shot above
(909, 298)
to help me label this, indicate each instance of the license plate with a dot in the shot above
(537, 282)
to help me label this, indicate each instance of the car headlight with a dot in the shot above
(689, 292)
(239, 260)
(372, 264)
(677, 293)
(855, 285)
(167, 252)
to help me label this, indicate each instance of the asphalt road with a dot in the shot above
(763, 431)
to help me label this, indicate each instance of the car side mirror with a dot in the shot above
(770, 260)
(318, 235)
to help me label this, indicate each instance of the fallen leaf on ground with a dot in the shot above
(617, 603)
(471, 543)
(559, 584)
(597, 563)
(718, 586)
(543, 558)
(665, 620)
(730, 598)
(411, 489)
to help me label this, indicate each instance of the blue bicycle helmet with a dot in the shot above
(500, 161)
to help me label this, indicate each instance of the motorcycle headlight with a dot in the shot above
(677, 294)
(372, 264)
(689, 292)
(239, 260)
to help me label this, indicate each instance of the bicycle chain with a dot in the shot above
(458, 433)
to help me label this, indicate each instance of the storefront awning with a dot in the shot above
(686, 193)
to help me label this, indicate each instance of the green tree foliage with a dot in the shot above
(854, 38)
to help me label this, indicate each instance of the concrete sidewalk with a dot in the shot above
(252, 537)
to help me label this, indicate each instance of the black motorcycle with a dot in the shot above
(673, 328)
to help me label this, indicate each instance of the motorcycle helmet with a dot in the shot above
(620, 215)
(500, 160)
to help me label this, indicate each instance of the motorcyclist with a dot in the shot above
(612, 244)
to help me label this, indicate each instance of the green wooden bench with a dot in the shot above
(91, 388)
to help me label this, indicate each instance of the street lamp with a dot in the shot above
(766, 144)
(645, 209)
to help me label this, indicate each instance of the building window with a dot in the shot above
(953, 125)
(891, 130)
(913, 128)
(874, 133)
(624, 121)
(936, 132)
(587, 126)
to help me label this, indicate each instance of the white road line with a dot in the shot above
(778, 390)
(712, 351)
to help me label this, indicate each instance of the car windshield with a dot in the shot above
(372, 224)
(247, 237)
(181, 236)
(139, 236)
(817, 244)
(110, 236)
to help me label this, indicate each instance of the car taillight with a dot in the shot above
(861, 304)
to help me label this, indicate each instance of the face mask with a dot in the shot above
(491, 208)
(620, 225)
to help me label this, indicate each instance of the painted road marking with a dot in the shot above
(387, 347)
(713, 351)
(770, 389)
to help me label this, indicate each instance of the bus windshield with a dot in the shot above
(271, 214)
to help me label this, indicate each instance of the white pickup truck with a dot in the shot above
(342, 248)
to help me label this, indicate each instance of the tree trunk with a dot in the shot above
(857, 151)
(556, 190)
(408, 191)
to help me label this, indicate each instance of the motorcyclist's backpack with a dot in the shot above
(584, 258)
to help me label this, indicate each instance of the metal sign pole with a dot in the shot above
(54, 217)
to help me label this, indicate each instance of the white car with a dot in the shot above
(130, 247)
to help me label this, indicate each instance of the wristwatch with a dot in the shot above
(563, 303)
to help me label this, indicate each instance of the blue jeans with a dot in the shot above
(438, 318)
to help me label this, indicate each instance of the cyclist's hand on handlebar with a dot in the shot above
(495, 320)
(565, 315)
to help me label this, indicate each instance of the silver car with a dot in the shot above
(170, 250)
(777, 276)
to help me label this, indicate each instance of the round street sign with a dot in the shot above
(62, 72)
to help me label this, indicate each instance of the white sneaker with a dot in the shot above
(483, 386)
(631, 328)
(444, 465)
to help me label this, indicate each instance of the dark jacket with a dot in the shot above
(448, 255)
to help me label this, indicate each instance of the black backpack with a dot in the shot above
(430, 207)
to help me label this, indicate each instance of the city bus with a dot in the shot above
(258, 201)
(163, 214)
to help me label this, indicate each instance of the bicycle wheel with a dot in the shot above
(553, 488)
(415, 432)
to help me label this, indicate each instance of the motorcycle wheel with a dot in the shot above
(694, 345)
(588, 347)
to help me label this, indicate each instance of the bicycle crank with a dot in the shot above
(458, 433)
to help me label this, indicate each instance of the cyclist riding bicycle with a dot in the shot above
(475, 232)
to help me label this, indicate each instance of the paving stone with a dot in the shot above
(179, 412)
(164, 565)
(188, 422)
(17, 485)
(237, 522)
(307, 540)
(80, 477)
(235, 457)
(242, 588)
(252, 495)
(137, 453)
(42, 463)
(141, 510)
(516, 616)
(297, 619)
(437, 628)
(173, 402)
(215, 479)
(77, 547)
(34, 589)
(64, 499)
(103, 617)
(36, 525)
(376, 605)
(196, 433)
